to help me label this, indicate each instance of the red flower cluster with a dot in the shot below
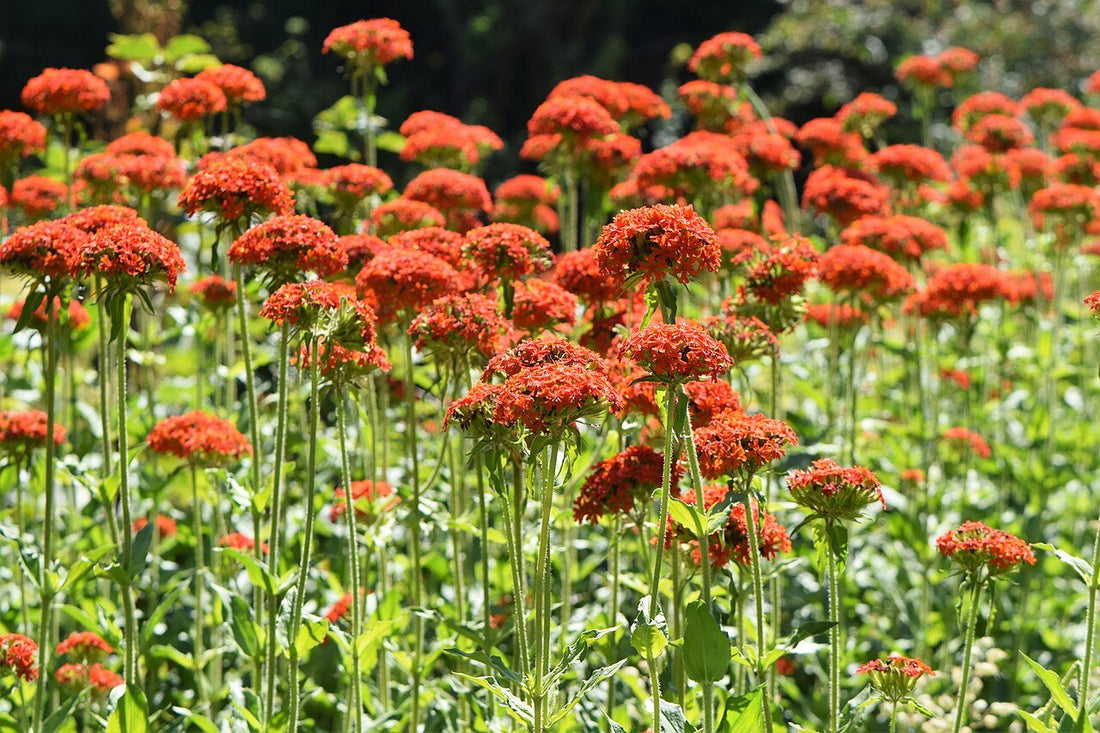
(724, 57)
(901, 164)
(354, 182)
(507, 251)
(131, 255)
(707, 400)
(902, 237)
(24, 431)
(20, 135)
(242, 542)
(460, 324)
(655, 242)
(978, 106)
(436, 241)
(853, 269)
(290, 157)
(77, 318)
(733, 541)
(460, 197)
(833, 492)
(403, 215)
(236, 188)
(579, 272)
(677, 352)
(528, 200)
(845, 195)
(200, 438)
(43, 249)
(1065, 206)
(958, 290)
(286, 246)
(1092, 302)
(842, 316)
(215, 292)
(365, 497)
(941, 70)
(543, 351)
(542, 304)
(55, 91)
(746, 338)
(866, 113)
(37, 196)
(616, 484)
(895, 677)
(575, 119)
(626, 102)
(236, 83)
(831, 143)
(405, 281)
(94, 218)
(19, 654)
(549, 399)
(191, 99)
(699, 165)
(783, 270)
(77, 677)
(736, 444)
(976, 546)
(438, 140)
(166, 526)
(366, 44)
(964, 439)
(86, 646)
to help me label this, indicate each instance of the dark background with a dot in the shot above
(492, 61)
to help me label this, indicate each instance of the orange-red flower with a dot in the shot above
(833, 492)
(902, 237)
(37, 196)
(507, 251)
(43, 249)
(732, 542)
(677, 352)
(579, 272)
(857, 270)
(542, 304)
(369, 498)
(85, 646)
(975, 546)
(405, 281)
(460, 197)
(131, 255)
(190, 99)
(20, 135)
(461, 324)
(199, 438)
(616, 484)
(19, 654)
(958, 290)
(215, 292)
(286, 246)
(366, 44)
(896, 676)
(542, 351)
(656, 242)
(55, 91)
(736, 444)
(403, 215)
(236, 189)
(724, 57)
(237, 84)
(963, 439)
(77, 317)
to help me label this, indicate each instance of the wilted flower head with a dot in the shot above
(199, 438)
(55, 91)
(976, 547)
(833, 492)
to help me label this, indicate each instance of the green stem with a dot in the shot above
(659, 533)
(200, 569)
(971, 625)
(355, 688)
(616, 562)
(414, 530)
(274, 531)
(104, 370)
(834, 641)
(758, 598)
(542, 592)
(704, 563)
(514, 531)
(307, 540)
(894, 717)
(45, 626)
(1090, 629)
(130, 630)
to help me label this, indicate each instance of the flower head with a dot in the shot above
(975, 547)
(405, 281)
(37, 196)
(285, 246)
(958, 290)
(24, 431)
(214, 292)
(236, 188)
(402, 215)
(542, 351)
(19, 655)
(550, 399)
(833, 492)
(616, 484)
(710, 399)
(902, 237)
(540, 304)
(462, 324)
(199, 438)
(367, 44)
(242, 542)
(579, 272)
(76, 316)
(236, 83)
(190, 99)
(724, 57)
(677, 352)
(85, 646)
(462, 198)
(130, 256)
(896, 676)
(967, 440)
(855, 269)
(732, 542)
(45, 249)
(55, 91)
(369, 498)
(507, 251)
(20, 135)
(736, 444)
(656, 242)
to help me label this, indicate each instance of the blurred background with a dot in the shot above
(491, 62)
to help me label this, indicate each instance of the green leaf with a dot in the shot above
(333, 142)
(673, 719)
(245, 630)
(139, 551)
(201, 722)
(310, 634)
(184, 44)
(1033, 723)
(590, 683)
(518, 708)
(706, 647)
(1083, 567)
(162, 651)
(59, 717)
(1053, 684)
(30, 305)
(649, 637)
(139, 47)
(808, 630)
(615, 727)
(194, 63)
(257, 571)
(129, 715)
(688, 517)
(391, 142)
(745, 713)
